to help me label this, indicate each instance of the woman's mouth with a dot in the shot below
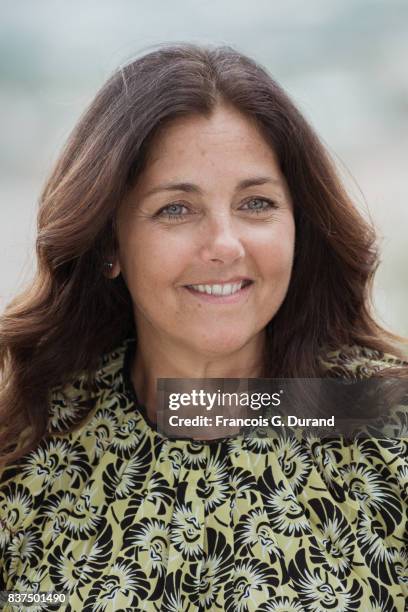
(221, 293)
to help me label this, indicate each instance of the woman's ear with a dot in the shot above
(110, 252)
(111, 267)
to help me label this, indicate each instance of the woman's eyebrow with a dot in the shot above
(192, 188)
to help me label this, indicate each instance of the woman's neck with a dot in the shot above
(155, 360)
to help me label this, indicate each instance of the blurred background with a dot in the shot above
(344, 63)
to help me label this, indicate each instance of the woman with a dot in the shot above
(194, 227)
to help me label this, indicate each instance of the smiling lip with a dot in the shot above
(239, 296)
(230, 281)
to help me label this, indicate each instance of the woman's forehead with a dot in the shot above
(224, 147)
(224, 125)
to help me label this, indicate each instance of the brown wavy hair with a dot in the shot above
(71, 313)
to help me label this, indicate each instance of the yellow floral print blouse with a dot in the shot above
(124, 519)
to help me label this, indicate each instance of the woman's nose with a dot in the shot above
(221, 239)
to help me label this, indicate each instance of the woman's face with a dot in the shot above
(206, 237)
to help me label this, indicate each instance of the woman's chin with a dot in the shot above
(219, 345)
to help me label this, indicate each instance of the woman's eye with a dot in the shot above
(258, 205)
(178, 212)
(173, 211)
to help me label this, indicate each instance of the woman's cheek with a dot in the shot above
(274, 249)
(158, 267)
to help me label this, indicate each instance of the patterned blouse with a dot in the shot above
(123, 519)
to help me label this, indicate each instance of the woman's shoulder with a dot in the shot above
(105, 372)
(73, 400)
(82, 424)
(357, 361)
(382, 397)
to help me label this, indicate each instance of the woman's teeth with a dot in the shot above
(227, 289)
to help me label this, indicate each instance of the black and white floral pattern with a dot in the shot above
(125, 519)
